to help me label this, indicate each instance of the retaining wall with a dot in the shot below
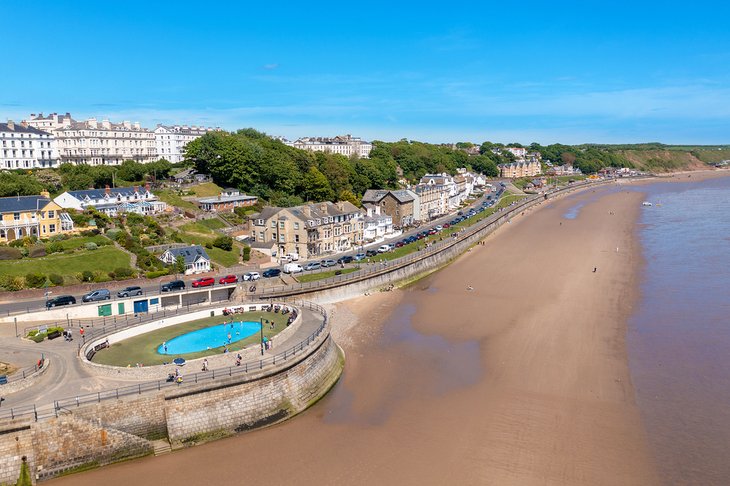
(113, 430)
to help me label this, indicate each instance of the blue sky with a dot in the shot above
(570, 72)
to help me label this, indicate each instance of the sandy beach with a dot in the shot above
(522, 380)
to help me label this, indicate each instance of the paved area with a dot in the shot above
(67, 376)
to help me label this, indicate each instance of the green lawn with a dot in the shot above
(143, 349)
(311, 277)
(80, 241)
(104, 259)
(206, 189)
(171, 198)
(196, 227)
(221, 257)
(213, 223)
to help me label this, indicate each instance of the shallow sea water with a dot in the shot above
(679, 336)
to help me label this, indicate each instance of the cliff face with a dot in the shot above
(675, 159)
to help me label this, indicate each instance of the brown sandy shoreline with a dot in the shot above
(523, 380)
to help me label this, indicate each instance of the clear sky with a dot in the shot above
(570, 72)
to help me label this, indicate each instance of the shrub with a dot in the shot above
(8, 253)
(16, 243)
(55, 279)
(91, 232)
(35, 280)
(91, 246)
(32, 332)
(156, 273)
(246, 253)
(55, 247)
(87, 276)
(208, 245)
(223, 242)
(55, 329)
(101, 277)
(39, 337)
(113, 233)
(13, 283)
(37, 251)
(122, 272)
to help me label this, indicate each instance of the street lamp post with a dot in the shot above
(261, 321)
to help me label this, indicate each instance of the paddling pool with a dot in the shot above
(209, 337)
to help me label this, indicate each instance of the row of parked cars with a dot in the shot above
(93, 296)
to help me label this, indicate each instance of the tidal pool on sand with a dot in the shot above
(209, 337)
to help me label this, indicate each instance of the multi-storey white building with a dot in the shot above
(25, 147)
(93, 143)
(49, 123)
(346, 145)
(170, 141)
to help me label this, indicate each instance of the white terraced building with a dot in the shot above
(346, 145)
(170, 141)
(92, 142)
(25, 147)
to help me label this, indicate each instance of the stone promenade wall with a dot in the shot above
(112, 430)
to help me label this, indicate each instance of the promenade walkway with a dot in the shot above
(68, 377)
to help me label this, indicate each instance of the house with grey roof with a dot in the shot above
(309, 230)
(402, 205)
(195, 257)
(112, 201)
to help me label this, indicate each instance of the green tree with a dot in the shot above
(316, 187)
(179, 264)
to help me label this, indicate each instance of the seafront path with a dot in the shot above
(66, 375)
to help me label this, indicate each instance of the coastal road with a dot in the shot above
(37, 304)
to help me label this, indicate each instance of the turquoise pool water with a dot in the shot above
(210, 337)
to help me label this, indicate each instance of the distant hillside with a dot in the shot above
(668, 158)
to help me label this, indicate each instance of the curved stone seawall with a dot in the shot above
(112, 430)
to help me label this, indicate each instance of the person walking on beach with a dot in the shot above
(594, 269)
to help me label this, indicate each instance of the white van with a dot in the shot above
(293, 257)
(293, 268)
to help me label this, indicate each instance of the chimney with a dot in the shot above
(45, 194)
(323, 207)
(91, 122)
(147, 186)
(341, 205)
(11, 125)
(106, 124)
(136, 188)
(24, 124)
(107, 190)
(136, 125)
(306, 211)
(127, 125)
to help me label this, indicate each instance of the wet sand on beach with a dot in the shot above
(522, 380)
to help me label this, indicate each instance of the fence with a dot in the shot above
(281, 359)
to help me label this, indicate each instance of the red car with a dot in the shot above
(228, 279)
(204, 282)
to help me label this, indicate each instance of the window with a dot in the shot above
(51, 214)
(52, 228)
(296, 225)
(296, 238)
(281, 224)
(16, 216)
(273, 224)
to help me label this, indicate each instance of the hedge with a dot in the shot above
(9, 253)
(35, 280)
(157, 273)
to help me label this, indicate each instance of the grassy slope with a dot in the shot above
(206, 189)
(104, 259)
(143, 348)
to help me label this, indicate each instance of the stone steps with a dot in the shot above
(161, 446)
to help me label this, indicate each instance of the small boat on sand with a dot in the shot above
(646, 203)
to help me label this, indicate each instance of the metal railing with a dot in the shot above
(21, 374)
(271, 362)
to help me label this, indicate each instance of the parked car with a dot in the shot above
(439, 228)
(96, 295)
(359, 256)
(345, 259)
(251, 276)
(174, 285)
(328, 262)
(400, 244)
(60, 300)
(447, 225)
(293, 268)
(312, 266)
(271, 272)
(130, 291)
(292, 256)
(203, 282)
(371, 253)
(228, 279)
